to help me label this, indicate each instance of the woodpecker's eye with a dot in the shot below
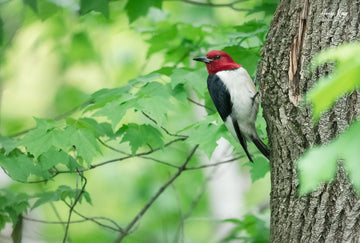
(217, 57)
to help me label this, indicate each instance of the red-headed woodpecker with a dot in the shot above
(235, 98)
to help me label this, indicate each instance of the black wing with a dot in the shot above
(220, 96)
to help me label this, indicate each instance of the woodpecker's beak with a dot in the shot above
(203, 59)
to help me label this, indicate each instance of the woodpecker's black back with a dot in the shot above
(220, 96)
(222, 101)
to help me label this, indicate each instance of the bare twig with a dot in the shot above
(163, 128)
(209, 4)
(53, 222)
(129, 156)
(160, 161)
(214, 164)
(193, 205)
(112, 148)
(77, 198)
(152, 200)
(95, 220)
(180, 230)
(199, 104)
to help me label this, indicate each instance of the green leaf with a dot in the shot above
(62, 193)
(46, 134)
(253, 227)
(154, 99)
(340, 54)
(206, 133)
(252, 27)
(153, 89)
(104, 96)
(266, 6)
(259, 168)
(347, 147)
(78, 134)
(141, 135)
(315, 167)
(8, 144)
(319, 164)
(344, 78)
(116, 110)
(84, 142)
(87, 197)
(195, 79)
(163, 35)
(45, 198)
(138, 8)
(148, 78)
(54, 157)
(101, 6)
(3, 220)
(18, 166)
(97, 129)
(12, 205)
(246, 57)
(32, 4)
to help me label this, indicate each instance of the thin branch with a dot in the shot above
(195, 202)
(160, 161)
(127, 157)
(201, 105)
(163, 128)
(94, 219)
(56, 212)
(209, 4)
(214, 164)
(53, 222)
(193, 205)
(112, 148)
(152, 200)
(77, 198)
(180, 230)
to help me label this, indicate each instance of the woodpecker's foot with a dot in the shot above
(257, 93)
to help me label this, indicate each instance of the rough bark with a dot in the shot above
(299, 30)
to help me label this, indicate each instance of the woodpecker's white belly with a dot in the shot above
(242, 90)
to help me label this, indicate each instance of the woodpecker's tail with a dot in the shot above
(262, 147)
(241, 139)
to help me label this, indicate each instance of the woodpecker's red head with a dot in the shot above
(218, 61)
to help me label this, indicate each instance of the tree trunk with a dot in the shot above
(299, 30)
